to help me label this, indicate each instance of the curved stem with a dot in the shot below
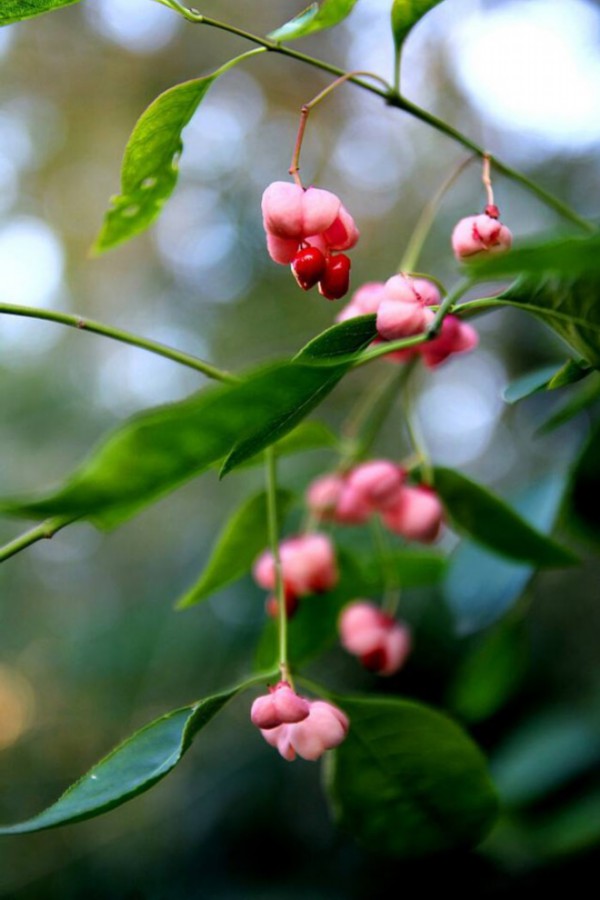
(41, 532)
(117, 334)
(394, 99)
(271, 473)
(426, 219)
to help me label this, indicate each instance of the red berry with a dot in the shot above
(308, 266)
(336, 280)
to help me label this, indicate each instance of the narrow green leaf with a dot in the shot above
(489, 673)
(237, 546)
(17, 10)
(305, 436)
(158, 450)
(569, 257)
(569, 306)
(132, 768)
(571, 829)
(150, 165)
(584, 488)
(545, 753)
(406, 14)
(529, 384)
(581, 401)
(315, 17)
(409, 567)
(331, 344)
(572, 371)
(407, 781)
(490, 521)
(481, 586)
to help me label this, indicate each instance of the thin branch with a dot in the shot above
(117, 334)
(394, 99)
(41, 532)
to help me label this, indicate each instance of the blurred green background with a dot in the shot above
(90, 647)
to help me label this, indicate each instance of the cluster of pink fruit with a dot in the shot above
(304, 228)
(402, 305)
(295, 725)
(307, 229)
(378, 487)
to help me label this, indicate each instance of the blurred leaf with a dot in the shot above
(132, 768)
(406, 14)
(158, 450)
(528, 384)
(586, 397)
(568, 256)
(315, 17)
(335, 342)
(150, 167)
(17, 10)
(481, 586)
(573, 828)
(305, 436)
(409, 567)
(574, 370)
(567, 305)
(584, 487)
(490, 521)
(237, 546)
(544, 754)
(407, 781)
(489, 673)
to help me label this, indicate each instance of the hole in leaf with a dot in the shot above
(130, 211)
(149, 183)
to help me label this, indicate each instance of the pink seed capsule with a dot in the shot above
(280, 706)
(325, 727)
(381, 643)
(417, 516)
(397, 319)
(481, 234)
(376, 482)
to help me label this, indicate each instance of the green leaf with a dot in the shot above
(305, 436)
(490, 521)
(333, 343)
(481, 586)
(408, 568)
(160, 449)
(581, 401)
(237, 546)
(569, 257)
(529, 384)
(584, 487)
(150, 165)
(567, 305)
(572, 371)
(406, 14)
(407, 781)
(545, 753)
(571, 829)
(132, 768)
(17, 10)
(315, 17)
(489, 673)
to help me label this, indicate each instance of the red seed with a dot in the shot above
(336, 280)
(308, 267)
